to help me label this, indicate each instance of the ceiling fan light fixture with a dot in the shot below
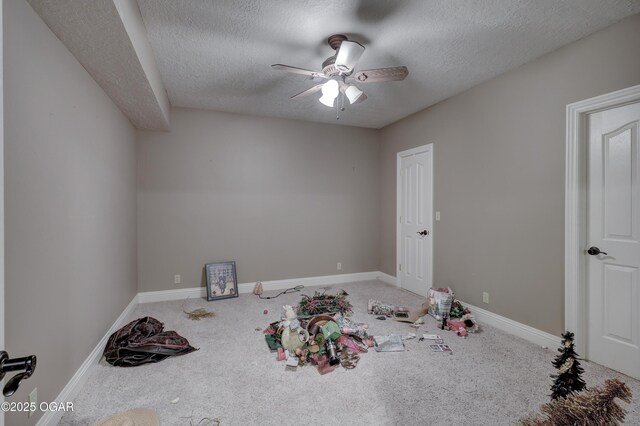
(352, 93)
(340, 77)
(330, 91)
(328, 101)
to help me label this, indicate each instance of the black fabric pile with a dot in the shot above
(142, 341)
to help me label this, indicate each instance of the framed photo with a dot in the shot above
(222, 282)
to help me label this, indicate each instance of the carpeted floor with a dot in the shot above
(491, 378)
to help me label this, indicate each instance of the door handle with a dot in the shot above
(423, 233)
(594, 251)
(27, 363)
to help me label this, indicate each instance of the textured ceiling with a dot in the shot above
(216, 54)
(108, 38)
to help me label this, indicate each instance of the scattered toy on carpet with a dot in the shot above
(199, 313)
(376, 307)
(465, 325)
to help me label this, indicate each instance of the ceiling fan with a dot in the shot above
(338, 71)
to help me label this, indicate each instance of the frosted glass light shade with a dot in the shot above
(327, 100)
(353, 93)
(330, 91)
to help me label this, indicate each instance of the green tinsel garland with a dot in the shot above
(322, 303)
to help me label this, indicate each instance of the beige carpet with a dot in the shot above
(491, 378)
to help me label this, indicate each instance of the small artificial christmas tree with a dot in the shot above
(568, 379)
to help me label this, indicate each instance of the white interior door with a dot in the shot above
(415, 205)
(613, 227)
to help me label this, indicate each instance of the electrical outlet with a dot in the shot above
(485, 297)
(177, 279)
(33, 401)
(339, 266)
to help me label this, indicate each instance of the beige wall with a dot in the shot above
(499, 175)
(70, 206)
(284, 199)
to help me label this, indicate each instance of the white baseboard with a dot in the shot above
(386, 278)
(243, 288)
(310, 281)
(175, 294)
(72, 389)
(524, 331)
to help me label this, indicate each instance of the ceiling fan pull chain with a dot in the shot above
(339, 105)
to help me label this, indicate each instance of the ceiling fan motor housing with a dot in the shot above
(328, 66)
(336, 40)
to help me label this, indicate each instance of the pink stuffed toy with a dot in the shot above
(458, 327)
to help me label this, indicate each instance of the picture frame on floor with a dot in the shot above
(222, 281)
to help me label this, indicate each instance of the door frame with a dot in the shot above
(575, 212)
(2, 319)
(399, 156)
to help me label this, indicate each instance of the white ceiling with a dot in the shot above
(217, 54)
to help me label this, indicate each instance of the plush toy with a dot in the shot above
(458, 327)
(288, 313)
(470, 323)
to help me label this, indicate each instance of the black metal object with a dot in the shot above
(423, 233)
(26, 364)
(594, 251)
(331, 351)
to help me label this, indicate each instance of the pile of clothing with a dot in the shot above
(143, 341)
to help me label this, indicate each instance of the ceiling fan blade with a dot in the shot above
(296, 70)
(379, 75)
(348, 55)
(310, 91)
